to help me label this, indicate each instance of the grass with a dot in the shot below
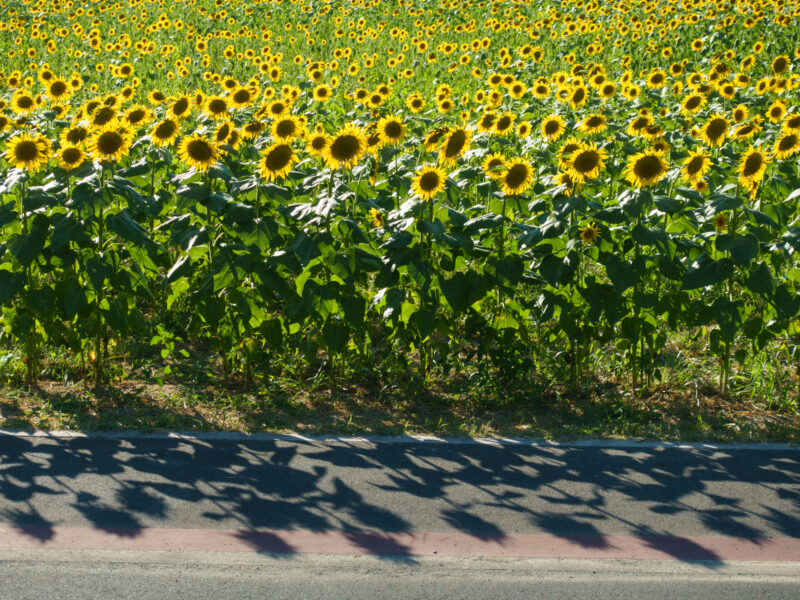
(683, 406)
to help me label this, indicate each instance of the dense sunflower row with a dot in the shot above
(500, 176)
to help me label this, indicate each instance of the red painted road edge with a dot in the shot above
(405, 544)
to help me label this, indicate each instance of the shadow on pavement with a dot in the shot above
(572, 492)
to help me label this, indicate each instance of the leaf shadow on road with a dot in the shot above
(371, 491)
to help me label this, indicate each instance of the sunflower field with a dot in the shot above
(566, 190)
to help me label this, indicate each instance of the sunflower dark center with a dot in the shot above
(285, 128)
(24, 102)
(217, 106)
(279, 157)
(135, 116)
(76, 135)
(787, 143)
(166, 129)
(58, 88)
(752, 164)
(109, 143)
(503, 123)
(345, 147)
(552, 126)
(180, 106)
(516, 176)
(693, 102)
(103, 116)
(26, 151)
(595, 121)
(71, 155)
(393, 129)
(429, 181)
(200, 150)
(586, 161)
(695, 165)
(647, 167)
(716, 128)
(455, 143)
(241, 96)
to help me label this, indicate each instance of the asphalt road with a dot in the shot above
(595, 496)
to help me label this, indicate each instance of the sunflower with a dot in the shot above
(287, 128)
(58, 90)
(553, 127)
(787, 145)
(109, 144)
(586, 162)
(589, 233)
(70, 157)
(180, 108)
(156, 97)
(415, 102)
(578, 96)
(715, 130)
(223, 132)
(792, 123)
(242, 97)
(660, 146)
(486, 122)
(594, 123)
(377, 218)
(516, 178)
(494, 165)
(429, 182)
(432, 140)
(391, 131)
(781, 64)
(524, 129)
(346, 147)
(776, 111)
(216, 107)
(740, 114)
(692, 103)
(322, 93)
(721, 222)
(198, 152)
(645, 168)
(28, 152)
(747, 130)
(23, 103)
(102, 116)
(252, 129)
(503, 124)
(752, 167)
(454, 145)
(165, 132)
(639, 125)
(138, 114)
(317, 144)
(696, 165)
(276, 161)
(74, 136)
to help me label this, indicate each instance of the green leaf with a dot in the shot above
(707, 272)
(623, 274)
(759, 280)
(335, 335)
(462, 290)
(74, 297)
(10, 285)
(743, 249)
(27, 247)
(506, 272)
(483, 222)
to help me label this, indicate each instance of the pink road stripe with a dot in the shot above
(417, 544)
